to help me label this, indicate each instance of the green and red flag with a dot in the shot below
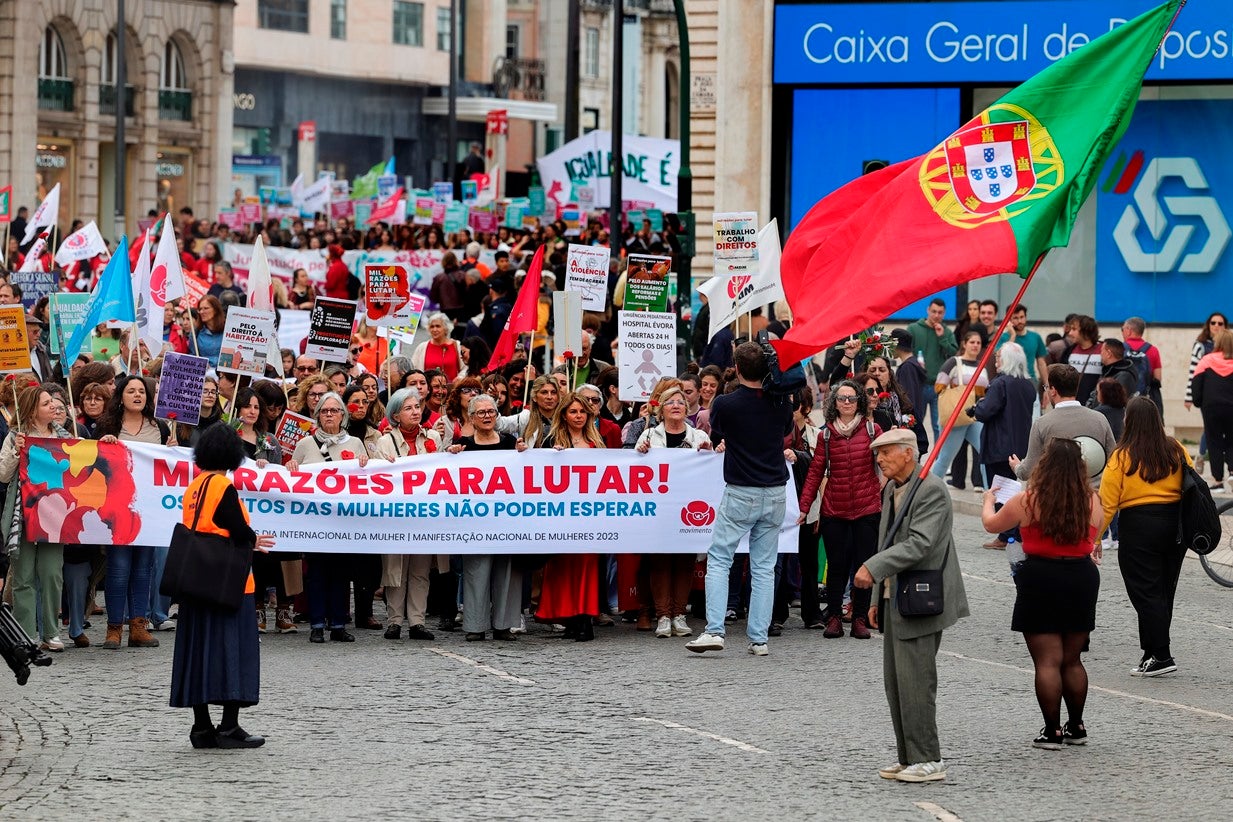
(989, 199)
(6, 204)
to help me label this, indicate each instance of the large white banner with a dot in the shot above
(538, 502)
(283, 261)
(651, 165)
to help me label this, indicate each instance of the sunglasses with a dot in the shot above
(1216, 322)
(845, 398)
(873, 392)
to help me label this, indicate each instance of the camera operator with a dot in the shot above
(748, 426)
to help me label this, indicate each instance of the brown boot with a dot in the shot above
(115, 633)
(139, 635)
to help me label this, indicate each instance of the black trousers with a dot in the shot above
(807, 545)
(1218, 425)
(1151, 561)
(366, 576)
(849, 542)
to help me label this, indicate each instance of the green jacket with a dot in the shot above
(936, 349)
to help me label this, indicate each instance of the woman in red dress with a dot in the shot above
(439, 351)
(570, 592)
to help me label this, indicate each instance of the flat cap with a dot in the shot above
(895, 436)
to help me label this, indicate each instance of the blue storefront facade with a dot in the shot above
(888, 81)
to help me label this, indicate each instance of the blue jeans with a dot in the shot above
(128, 582)
(931, 401)
(76, 586)
(159, 604)
(967, 433)
(758, 512)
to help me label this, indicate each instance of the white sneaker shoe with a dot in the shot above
(758, 649)
(706, 642)
(664, 628)
(55, 644)
(890, 771)
(923, 772)
(680, 627)
(521, 627)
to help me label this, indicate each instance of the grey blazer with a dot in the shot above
(921, 542)
(1068, 422)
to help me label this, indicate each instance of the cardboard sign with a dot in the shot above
(341, 209)
(736, 242)
(646, 283)
(14, 344)
(388, 296)
(482, 221)
(66, 311)
(362, 211)
(292, 428)
(180, 384)
(443, 192)
(102, 349)
(470, 191)
(455, 217)
(34, 285)
(329, 330)
(194, 289)
(538, 199)
(423, 211)
(250, 213)
(586, 272)
(246, 341)
(656, 216)
(646, 352)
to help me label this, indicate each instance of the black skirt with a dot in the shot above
(217, 656)
(1056, 595)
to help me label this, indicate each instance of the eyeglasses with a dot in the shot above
(323, 411)
(845, 398)
(681, 403)
(306, 368)
(592, 400)
(316, 395)
(487, 412)
(209, 392)
(356, 350)
(468, 391)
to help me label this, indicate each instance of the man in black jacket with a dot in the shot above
(1116, 366)
(911, 376)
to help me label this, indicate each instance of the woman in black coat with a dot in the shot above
(1006, 411)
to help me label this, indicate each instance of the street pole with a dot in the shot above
(615, 239)
(121, 153)
(451, 132)
(572, 70)
(684, 191)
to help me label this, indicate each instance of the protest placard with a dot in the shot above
(538, 199)
(438, 213)
(388, 296)
(646, 283)
(646, 352)
(14, 344)
(362, 212)
(250, 213)
(329, 330)
(180, 384)
(455, 217)
(586, 271)
(572, 217)
(387, 184)
(470, 191)
(292, 428)
(423, 211)
(66, 312)
(567, 326)
(246, 341)
(34, 285)
(194, 289)
(341, 209)
(485, 221)
(736, 242)
(443, 191)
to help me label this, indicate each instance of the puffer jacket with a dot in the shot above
(853, 490)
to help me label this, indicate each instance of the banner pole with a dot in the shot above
(7, 223)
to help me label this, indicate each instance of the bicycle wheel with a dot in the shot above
(1219, 563)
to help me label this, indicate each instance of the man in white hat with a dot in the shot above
(909, 653)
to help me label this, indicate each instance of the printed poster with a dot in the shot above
(423, 211)
(14, 344)
(246, 341)
(180, 384)
(736, 242)
(388, 296)
(67, 311)
(646, 283)
(330, 329)
(586, 272)
(35, 285)
(646, 352)
(292, 428)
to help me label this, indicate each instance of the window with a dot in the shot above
(443, 28)
(53, 64)
(408, 23)
(283, 15)
(512, 37)
(174, 78)
(109, 60)
(591, 54)
(338, 19)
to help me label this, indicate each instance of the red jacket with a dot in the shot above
(853, 490)
(610, 433)
(336, 277)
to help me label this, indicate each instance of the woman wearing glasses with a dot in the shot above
(851, 508)
(1213, 395)
(211, 412)
(455, 422)
(1216, 322)
(439, 351)
(310, 394)
(328, 572)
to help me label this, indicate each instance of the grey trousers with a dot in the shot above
(491, 593)
(910, 674)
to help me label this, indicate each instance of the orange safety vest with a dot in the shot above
(209, 504)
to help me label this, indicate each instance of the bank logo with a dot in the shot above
(1171, 240)
(698, 514)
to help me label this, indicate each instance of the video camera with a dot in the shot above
(777, 382)
(17, 648)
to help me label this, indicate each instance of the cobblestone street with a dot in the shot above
(633, 727)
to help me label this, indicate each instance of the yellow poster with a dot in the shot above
(14, 346)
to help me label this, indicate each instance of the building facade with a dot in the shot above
(58, 98)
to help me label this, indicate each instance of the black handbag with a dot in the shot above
(1198, 525)
(919, 592)
(205, 568)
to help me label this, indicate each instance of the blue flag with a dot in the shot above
(389, 166)
(112, 300)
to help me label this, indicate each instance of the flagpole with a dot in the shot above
(6, 241)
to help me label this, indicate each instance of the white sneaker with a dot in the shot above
(923, 772)
(664, 628)
(758, 649)
(521, 627)
(165, 625)
(680, 627)
(55, 644)
(706, 642)
(890, 771)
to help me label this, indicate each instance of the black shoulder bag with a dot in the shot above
(205, 568)
(918, 592)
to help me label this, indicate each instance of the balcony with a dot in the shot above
(518, 78)
(175, 105)
(55, 95)
(107, 100)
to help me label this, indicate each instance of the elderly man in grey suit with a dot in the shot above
(1068, 420)
(909, 652)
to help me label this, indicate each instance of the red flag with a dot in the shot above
(386, 210)
(525, 316)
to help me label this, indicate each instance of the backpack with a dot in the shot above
(1198, 522)
(1143, 367)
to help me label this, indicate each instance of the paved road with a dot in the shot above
(632, 727)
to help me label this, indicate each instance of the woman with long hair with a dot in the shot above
(357, 422)
(1111, 401)
(533, 424)
(455, 422)
(210, 333)
(1203, 344)
(302, 293)
(1058, 582)
(891, 405)
(376, 409)
(497, 386)
(570, 592)
(310, 394)
(475, 355)
(955, 373)
(1142, 483)
(1212, 394)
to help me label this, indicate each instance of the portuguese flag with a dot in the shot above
(989, 199)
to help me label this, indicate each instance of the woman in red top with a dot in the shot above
(440, 350)
(337, 274)
(1055, 607)
(851, 508)
(570, 592)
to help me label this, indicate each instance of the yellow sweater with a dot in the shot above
(1119, 490)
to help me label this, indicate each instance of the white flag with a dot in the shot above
(48, 213)
(720, 300)
(766, 286)
(167, 277)
(34, 257)
(82, 244)
(297, 189)
(260, 287)
(150, 300)
(315, 197)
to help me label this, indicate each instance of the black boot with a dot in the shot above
(237, 737)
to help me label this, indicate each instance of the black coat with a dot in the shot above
(912, 378)
(1006, 411)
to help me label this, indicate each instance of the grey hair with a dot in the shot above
(397, 400)
(1014, 361)
(587, 386)
(438, 315)
(332, 395)
(481, 398)
(403, 364)
(1136, 325)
